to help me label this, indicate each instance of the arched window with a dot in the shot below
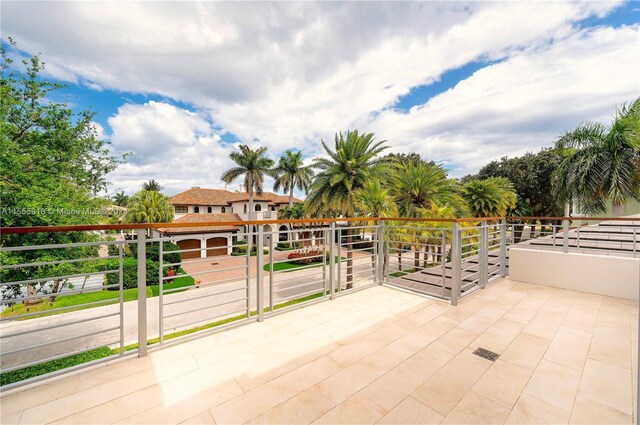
(196, 210)
(258, 207)
(273, 208)
(245, 208)
(224, 210)
(209, 210)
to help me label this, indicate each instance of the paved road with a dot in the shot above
(180, 311)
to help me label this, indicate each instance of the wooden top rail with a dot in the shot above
(576, 218)
(95, 227)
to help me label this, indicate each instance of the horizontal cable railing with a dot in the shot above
(110, 295)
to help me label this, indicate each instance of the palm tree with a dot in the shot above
(601, 163)
(120, 199)
(375, 201)
(253, 165)
(152, 186)
(490, 197)
(292, 173)
(346, 170)
(149, 206)
(419, 185)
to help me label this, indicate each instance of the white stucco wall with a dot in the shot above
(597, 274)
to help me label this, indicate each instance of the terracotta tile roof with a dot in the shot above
(203, 218)
(222, 197)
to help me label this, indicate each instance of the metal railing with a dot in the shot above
(99, 300)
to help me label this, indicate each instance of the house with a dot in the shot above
(212, 201)
(198, 205)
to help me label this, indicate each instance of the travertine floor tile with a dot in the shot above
(554, 384)
(476, 409)
(357, 409)
(586, 411)
(503, 383)
(607, 384)
(388, 390)
(526, 351)
(449, 385)
(411, 411)
(304, 408)
(530, 410)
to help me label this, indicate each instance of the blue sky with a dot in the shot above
(484, 79)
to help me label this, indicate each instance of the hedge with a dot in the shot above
(130, 273)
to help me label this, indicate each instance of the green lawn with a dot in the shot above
(89, 297)
(102, 352)
(290, 266)
(403, 272)
(179, 282)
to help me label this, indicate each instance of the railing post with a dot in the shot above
(483, 255)
(332, 259)
(503, 247)
(456, 263)
(161, 293)
(565, 235)
(381, 253)
(271, 268)
(142, 292)
(248, 245)
(339, 275)
(260, 272)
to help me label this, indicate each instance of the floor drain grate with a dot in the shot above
(486, 354)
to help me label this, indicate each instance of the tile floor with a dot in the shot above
(375, 356)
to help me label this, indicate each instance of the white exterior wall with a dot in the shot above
(597, 274)
(236, 208)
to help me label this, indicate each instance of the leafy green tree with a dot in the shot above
(490, 197)
(151, 186)
(149, 206)
(52, 164)
(532, 178)
(419, 185)
(120, 199)
(253, 165)
(292, 173)
(353, 161)
(405, 158)
(601, 163)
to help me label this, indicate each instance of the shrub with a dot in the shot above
(304, 258)
(153, 253)
(284, 246)
(130, 273)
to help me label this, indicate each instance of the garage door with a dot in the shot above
(189, 244)
(215, 243)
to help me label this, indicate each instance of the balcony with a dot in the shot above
(369, 347)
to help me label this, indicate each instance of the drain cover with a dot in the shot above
(486, 354)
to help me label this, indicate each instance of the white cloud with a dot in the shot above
(522, 103)
(288, 74)
(179, 148)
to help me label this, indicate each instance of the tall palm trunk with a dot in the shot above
(400, 259)
(425, 257)
(291, 196)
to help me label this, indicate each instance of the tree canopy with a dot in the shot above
(601, 163)
(531, 175)
(52, 164)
